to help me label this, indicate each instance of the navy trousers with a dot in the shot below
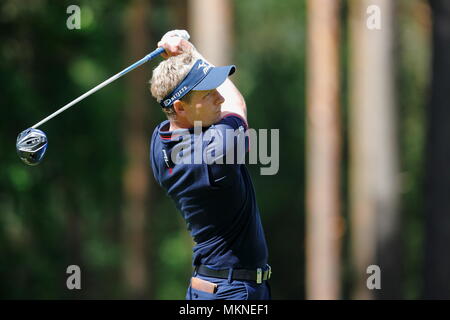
(231, 290)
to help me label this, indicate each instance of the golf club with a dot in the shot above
(32, 143)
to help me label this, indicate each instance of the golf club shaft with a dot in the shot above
(148, 57)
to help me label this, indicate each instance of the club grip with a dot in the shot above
(155, 53)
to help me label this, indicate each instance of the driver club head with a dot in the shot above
(31, 145)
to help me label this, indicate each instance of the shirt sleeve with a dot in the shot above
(153, 154)
(234, 121)
(228, 141)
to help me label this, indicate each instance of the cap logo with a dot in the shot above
(167, 102)
(176, 95)
(205, 67)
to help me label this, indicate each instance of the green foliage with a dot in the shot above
(414, 58)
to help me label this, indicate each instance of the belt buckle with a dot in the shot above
(269, 272)
(259, 275)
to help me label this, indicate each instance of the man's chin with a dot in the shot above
(211, 122)
(218, 118)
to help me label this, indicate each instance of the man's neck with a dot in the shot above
(174, 125)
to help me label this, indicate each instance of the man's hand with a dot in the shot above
(175, 42)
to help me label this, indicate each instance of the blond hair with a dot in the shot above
(168, 74)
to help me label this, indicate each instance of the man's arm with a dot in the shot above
(234, 101)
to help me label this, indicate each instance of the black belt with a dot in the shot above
(259, 275)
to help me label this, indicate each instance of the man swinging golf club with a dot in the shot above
(216, 198)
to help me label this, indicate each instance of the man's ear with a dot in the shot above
(179, 107)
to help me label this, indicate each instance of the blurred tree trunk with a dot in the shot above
(323, 151)
(437, 179)
(136, 173)
(374, 170)
(210, 25)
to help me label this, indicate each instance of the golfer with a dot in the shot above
(198, 162)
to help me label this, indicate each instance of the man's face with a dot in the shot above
(204, 106)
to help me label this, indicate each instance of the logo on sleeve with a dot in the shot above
(166, 160)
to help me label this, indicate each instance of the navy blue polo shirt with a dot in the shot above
(206, 177)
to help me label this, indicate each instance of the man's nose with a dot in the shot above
(219, 98)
